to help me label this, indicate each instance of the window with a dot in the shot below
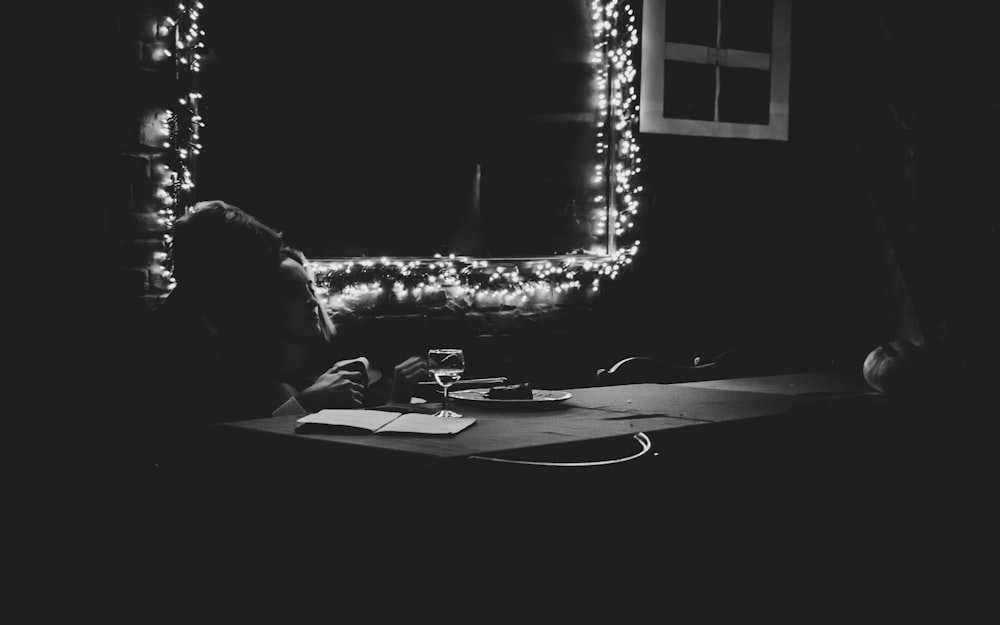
(716, 68)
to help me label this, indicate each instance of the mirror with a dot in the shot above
(407, 129)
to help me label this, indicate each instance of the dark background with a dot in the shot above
(778, 244)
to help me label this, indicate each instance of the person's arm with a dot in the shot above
(377, 392)
(405, 378)
(398, 389)
(333, 389)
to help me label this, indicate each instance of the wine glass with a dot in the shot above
(447, 367)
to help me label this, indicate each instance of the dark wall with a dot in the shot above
(783, 243)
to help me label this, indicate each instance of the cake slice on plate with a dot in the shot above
(511, 391)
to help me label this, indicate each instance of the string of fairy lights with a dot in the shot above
(180, 127)
(615, 199)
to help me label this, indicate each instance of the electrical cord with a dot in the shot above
(641, 437)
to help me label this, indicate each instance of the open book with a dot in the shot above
(379, 421)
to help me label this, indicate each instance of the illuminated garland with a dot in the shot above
(619, 110)
(181, 130)
(476, 280)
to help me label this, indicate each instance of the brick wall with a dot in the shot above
(133, 246)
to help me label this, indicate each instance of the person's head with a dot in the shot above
(300, 315)
(226, 260)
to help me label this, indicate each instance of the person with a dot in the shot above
(311, 368)
(206, 338)
(213, 338)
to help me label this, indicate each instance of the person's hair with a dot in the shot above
(326, 323)
(215, 238)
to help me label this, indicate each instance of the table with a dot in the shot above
(591, 414)
(790, 433)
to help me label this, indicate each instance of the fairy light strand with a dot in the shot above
(174, 176)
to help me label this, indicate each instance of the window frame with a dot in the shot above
(656, 50)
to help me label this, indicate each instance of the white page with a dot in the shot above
(428, 424)
(370, 420)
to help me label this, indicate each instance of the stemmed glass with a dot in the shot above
(447, 367)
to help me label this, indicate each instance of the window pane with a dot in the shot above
(744, 95)
(689, 91)
(746, 25)
(536, 200)
(691, 21)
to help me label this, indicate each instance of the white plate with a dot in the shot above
(538, 396)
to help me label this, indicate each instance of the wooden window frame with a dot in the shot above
(655, 50)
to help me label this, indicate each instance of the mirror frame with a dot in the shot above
(513, 280)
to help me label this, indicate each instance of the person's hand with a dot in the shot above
(334, 389)
(355, 364)
(405, 376)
